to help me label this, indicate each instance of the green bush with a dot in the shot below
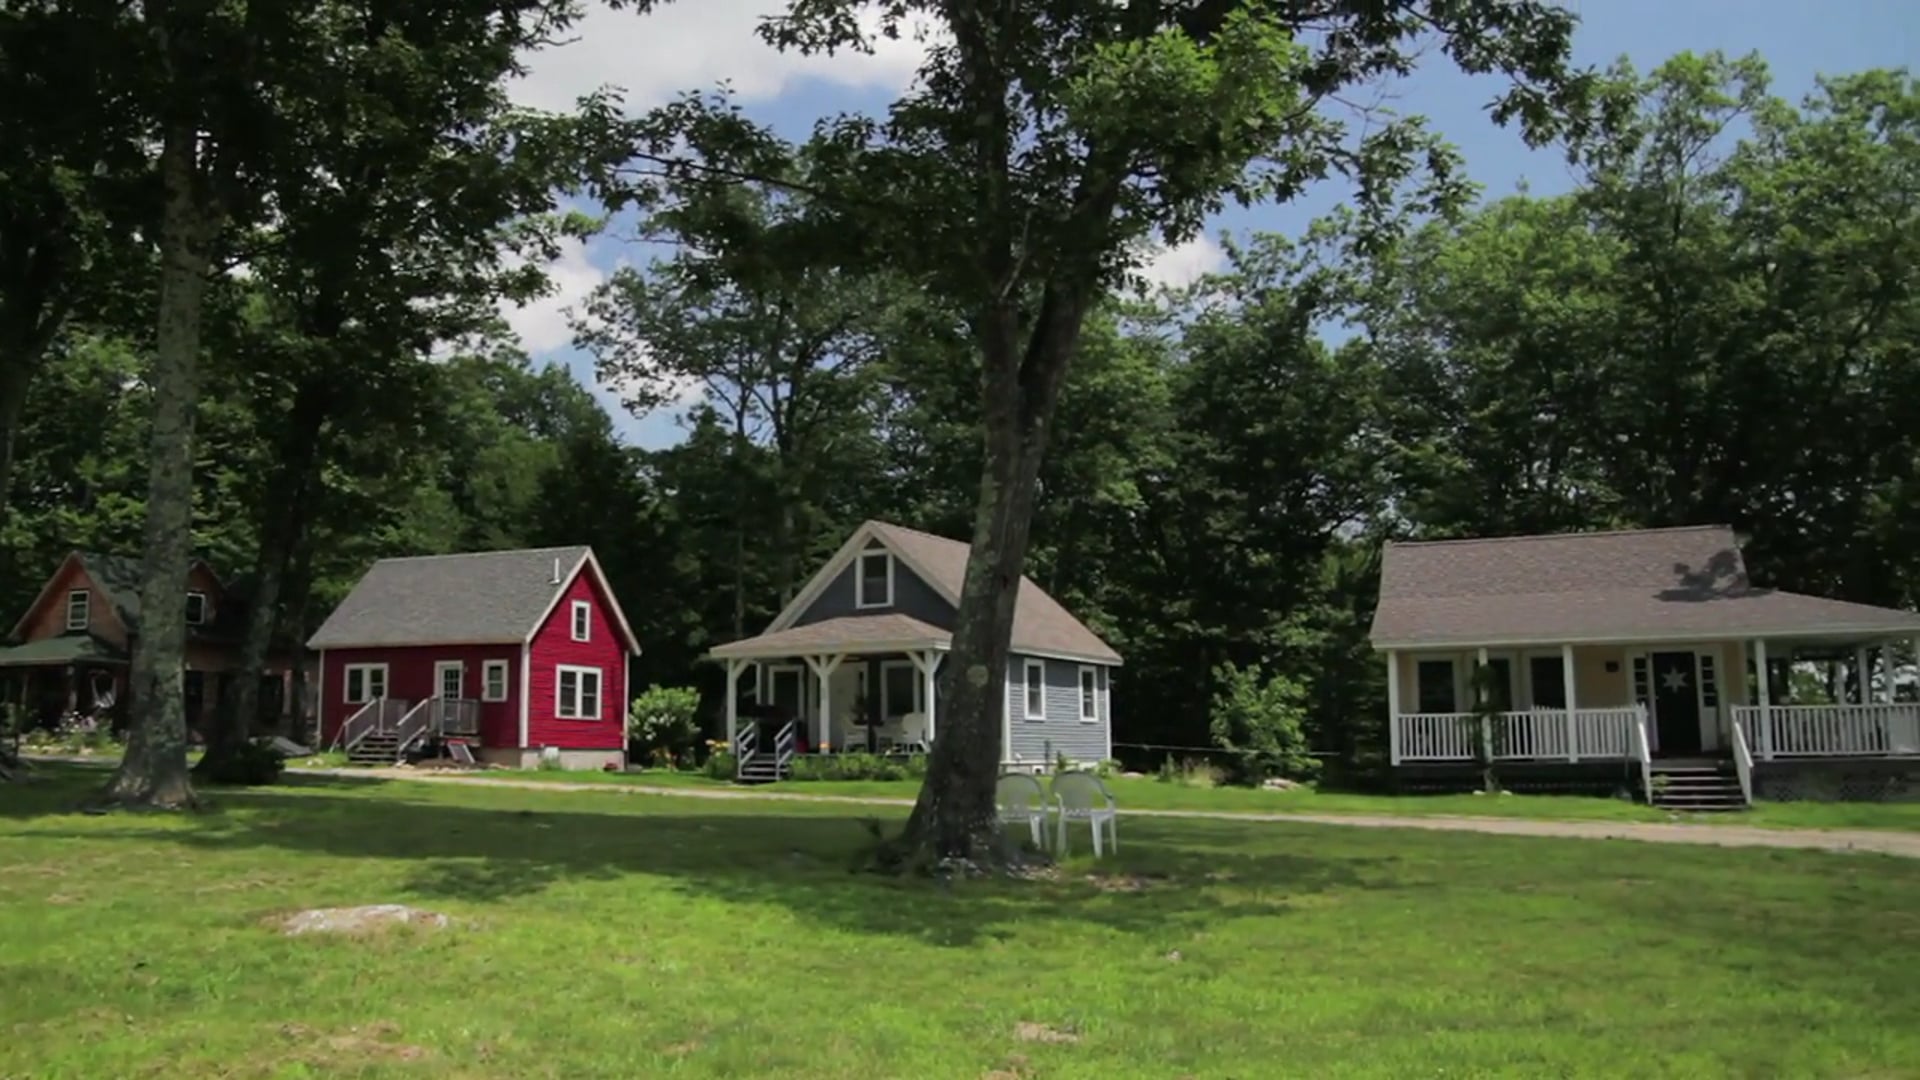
(1257, 720)
(1189, 772)
(248, 765)
(720, 765)
(665, 721)
(858, 766)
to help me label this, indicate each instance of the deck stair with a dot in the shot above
(1696, 786)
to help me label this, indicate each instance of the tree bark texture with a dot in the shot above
(154, 771)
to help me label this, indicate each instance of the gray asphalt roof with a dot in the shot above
(490, 596)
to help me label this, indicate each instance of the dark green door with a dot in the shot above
(1676, 703)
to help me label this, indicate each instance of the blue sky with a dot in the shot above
(699, 43)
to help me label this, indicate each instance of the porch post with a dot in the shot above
(1479, 698)
(823, 669)
(733, 702)
(1862, 676)
(1765, 696)
(1393, 706)
(927, 662)
(1888, 663)
(1566, 676)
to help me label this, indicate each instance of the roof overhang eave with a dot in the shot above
(1649, 637)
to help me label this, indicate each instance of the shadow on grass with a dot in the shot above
(738, 851)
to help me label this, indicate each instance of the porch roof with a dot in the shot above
(888, 632)
(60, 651)
(1637, 585)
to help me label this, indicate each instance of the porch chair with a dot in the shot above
(913, 734)
(1019, 798)
(1080, 796)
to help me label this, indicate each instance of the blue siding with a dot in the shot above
(1061, 731)
(911, 596)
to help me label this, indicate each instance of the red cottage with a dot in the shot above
(512, 654)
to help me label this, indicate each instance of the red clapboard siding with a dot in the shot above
(410, 676)
(553, 645)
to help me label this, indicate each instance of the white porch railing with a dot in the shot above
(1870, 730)
(1534, 735)
(1743, 760)
(378, 715)
(1643, 753)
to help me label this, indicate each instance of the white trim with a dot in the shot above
(440, 668)
(579, 672)
(578, 612)
(204, 604)
(823, 577)
(560, 592)
(86, 609)
(860, 599)
(346, 683)
(1106, 709)
(1027, 667)
(915, 704)
(1081, 680)
(487, 668)
(879, 648)
(526, 693)
(1006, 716)
(1655, 637)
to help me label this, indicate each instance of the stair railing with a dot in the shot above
(783, 750)
(746, 743)
(1743, 761)
(411, 727)
(1643, 752)
(456, 716)
(357, 726)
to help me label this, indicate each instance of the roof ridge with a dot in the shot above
(916, 532)
(1559, 535)
(496, 551)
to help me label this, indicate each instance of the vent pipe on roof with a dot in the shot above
(556, 570)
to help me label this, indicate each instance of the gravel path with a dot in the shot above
(1887, 842)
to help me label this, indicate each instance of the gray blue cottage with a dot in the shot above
(851, 663)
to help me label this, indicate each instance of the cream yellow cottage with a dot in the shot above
(1643, 654)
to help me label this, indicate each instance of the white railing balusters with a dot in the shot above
(1643, 751)
(1533, 735)
(1875, 729)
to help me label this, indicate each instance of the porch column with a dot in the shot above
(1566, 677)
(1765, 695)
(733, 701)
(926, 662)
(1393, 706)
(1862, 676)
(1890, 663)
(1479, 699)
(823, 669)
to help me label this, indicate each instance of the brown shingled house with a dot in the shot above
(1634, 654)
(850, 663)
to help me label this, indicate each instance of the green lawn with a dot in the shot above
(616, 937)
(1151, 794)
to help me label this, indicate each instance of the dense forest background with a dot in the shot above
(1718, 324)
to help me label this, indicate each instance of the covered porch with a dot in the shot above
(855, 684)
(1763, 698)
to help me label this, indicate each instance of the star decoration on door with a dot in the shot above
(1675, 680)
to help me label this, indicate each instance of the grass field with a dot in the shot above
(1153, 795)
(613, 937)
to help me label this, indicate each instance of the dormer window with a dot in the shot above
(196, 608)
(873, 581)
(78, 606)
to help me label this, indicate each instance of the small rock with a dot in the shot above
(1027, 1031)
(1174, 956)
(1133, 776)
(1279, 783)
(360, 920)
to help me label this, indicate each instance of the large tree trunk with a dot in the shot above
(154, 771)
(16, 373)
(954, 826)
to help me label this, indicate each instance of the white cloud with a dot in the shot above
(694, 45)
(1182, 264)
(542, 324)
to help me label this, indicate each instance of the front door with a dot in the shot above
(1676, 703)
(449, 679)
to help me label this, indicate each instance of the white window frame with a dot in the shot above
(582, 620)
(366, 694)
(1028, 681)
(86, 609)
(488, 669)
(560, 672)
(1089, 694)
(860, 597)
(440, 669)
(202, 620)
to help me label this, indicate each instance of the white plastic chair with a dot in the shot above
(1020, 798)
(1080, 796)
(913, 733)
